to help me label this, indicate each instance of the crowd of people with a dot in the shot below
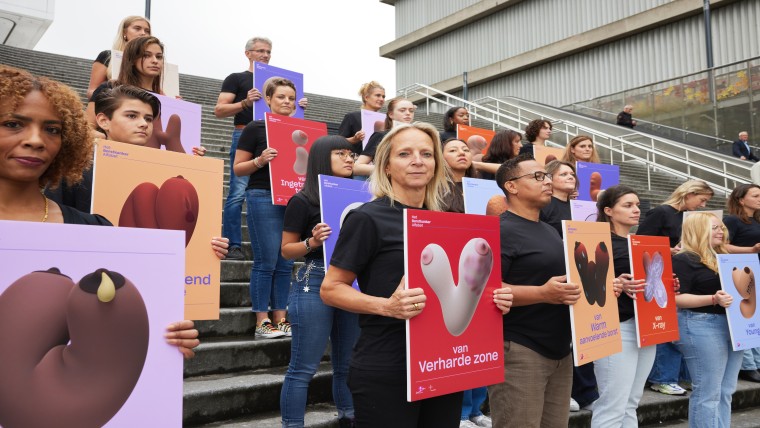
(47, 140)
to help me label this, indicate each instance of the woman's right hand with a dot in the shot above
(723, 299)
(405, 304)
(359, 136)
(320, 233)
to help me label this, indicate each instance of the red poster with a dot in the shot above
(456, 343)
(655, 308)
(478, 139)
(292, 138)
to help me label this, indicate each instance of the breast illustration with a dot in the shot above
(654, 287)
(593, 274)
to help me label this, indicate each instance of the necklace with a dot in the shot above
(45, 217)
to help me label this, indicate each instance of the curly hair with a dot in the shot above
(76, 150)
(534, 127)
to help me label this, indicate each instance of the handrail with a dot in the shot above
(499, 117)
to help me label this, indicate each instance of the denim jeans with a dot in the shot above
(233, 206)
(669, 366)
(621, 378)
(706, 346)
(472, 400)
(270, 274)
(751, 359)
(313, 323)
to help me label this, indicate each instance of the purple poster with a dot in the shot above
(593, 178)
(372, 122)
(178, 127)
(338, 196)
(83, 313)
(478, 193)
(262, 75)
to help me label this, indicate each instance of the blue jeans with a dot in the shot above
(233, 206)
(270, 274)
(471, 402)
(669, 366)
(313, 323)
(751, 360)
(706, 345)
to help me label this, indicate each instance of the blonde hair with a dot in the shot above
(120, 42)
(380, 182)
(696, 237)
(696, 187)
(367, 89)
(569, 157)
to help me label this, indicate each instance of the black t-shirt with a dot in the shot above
(74, 216)
(78, 196)
(300, 217)
(445, 135)
(374, 140)
(531, 253)
(698, 279)
(555, 212)
(622, 263)
(663, 220)
(526, 149)
(742, 234)
(239, 84)
(104, 57)
(352, 123)
(371, 244)
(254, 140)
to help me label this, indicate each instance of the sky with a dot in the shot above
(334, 43)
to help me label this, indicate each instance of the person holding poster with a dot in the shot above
(44, 138)
(743, 223)
(130, 28)
(373, 99)
(537, 356)
(705, 340)
(399, 111)
(621, 377)
(504, 146)
(410, 173)
(581, 148)
(453, 117)
(666, 220)
(537, 132)
(270, 274)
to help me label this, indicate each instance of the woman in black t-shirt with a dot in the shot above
(457, 155)
(313, 322)
(504, 146)
(705, 340)
(409, 173)
(373, 99)
(564, 183)
(453, 117)
(399, 111)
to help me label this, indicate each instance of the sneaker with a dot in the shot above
(284, 326)
(667, 388)
(467, 424)
(235, 253)
(589, 406)
(574, 406)
(685, 384)
(267, 331)
(481, 421)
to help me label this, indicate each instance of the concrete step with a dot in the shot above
(237, 354)
(322, 415)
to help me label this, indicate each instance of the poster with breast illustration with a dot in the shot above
(593, 178)
(263, 75)
(737, 278)
(292, 138)
(483, 197)
(372, 122)
(83, 313)
(594, 319)
(545, 154)
(178, 127)
(655, 308)
(141, 187)
(455, 259)
(477, 139)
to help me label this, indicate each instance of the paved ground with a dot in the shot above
(748, 418)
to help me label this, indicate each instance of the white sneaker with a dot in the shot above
(574, 406)
(667, 388)
(482, 421)
(267, 331)
(467, 424)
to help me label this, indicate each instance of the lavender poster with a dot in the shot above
(263, 74)
(372, 122)
(593, 178)
(479, 193)
(178, 128)
(582, 210)
(83, 314)
(737, 278)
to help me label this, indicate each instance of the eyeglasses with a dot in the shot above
(538, 176)
(344, 154)
(261, 51)
(717, 227)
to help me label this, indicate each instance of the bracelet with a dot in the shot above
(306, 244)
(256, 162)
(244, 103)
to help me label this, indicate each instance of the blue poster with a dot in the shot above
(593, 178)
(262, 74)
(478, 193)
(737, 278)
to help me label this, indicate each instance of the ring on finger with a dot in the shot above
(416, 306)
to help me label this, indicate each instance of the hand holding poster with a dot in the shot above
(594, 318)
(655, 308)
(477, 139)
(293, 139)
(83, 314)
(445, 353)
(483, 197)
(737, 278)
(263, 75)
(593, 178)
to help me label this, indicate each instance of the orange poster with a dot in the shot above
(142, 187)
(655, 308)
(477, 145)
(594, 318)
(544, 155)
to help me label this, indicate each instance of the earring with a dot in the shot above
(125, 38)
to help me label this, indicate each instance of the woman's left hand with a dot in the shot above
(405, 304)
(199, 151)
(321, 232)
(220, 246)
(502, 297)
(184, 336)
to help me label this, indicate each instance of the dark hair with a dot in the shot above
(734, 206)
(471, 172)
(500, 150)
(609, 198)
(134, 51)
(109, 100)
(448, 125)
(273, 84)
(508, 170)
(534, 127)
(320, 162)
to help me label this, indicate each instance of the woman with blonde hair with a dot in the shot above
(373, 99)
(400, 111)
(581, 148)
(705, 339)
(130, 28)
